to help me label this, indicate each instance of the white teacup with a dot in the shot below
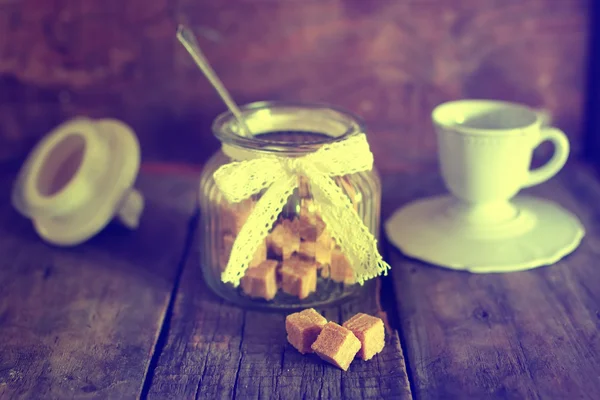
(485, 150)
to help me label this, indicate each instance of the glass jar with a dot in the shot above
(298, 238)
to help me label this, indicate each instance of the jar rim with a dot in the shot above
(227, 130)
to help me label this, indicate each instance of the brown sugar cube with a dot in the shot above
(326, 240)
(340, 268)
(303, 328)
(310, 224)
(228, 240)
(260, 255)
(307, 250)
(371, 333)
(234, 215)
(323, 247)
(322, 255)
(261, 281)
(315, 251)
(298, 277)
(337, 345)
(284, 240)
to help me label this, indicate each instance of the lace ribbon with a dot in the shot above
(241, 179)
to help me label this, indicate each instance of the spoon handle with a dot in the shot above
(187, 39)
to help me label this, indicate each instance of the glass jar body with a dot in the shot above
(298, 265)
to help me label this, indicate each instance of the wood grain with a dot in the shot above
(215, 350)
(530, 334)
(389, 61)
(83, 322)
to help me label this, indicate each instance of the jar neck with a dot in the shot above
(284, 129)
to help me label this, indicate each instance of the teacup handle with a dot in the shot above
(558, 160)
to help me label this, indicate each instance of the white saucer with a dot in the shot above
(540, 234)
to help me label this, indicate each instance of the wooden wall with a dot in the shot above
(390, 61)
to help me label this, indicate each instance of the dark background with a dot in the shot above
(390, 61)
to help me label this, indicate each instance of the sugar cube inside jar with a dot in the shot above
(290, 255)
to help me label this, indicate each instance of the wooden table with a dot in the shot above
(127, 315)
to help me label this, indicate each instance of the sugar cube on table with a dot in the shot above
(337, 345)
(370, 331)
(303, 328)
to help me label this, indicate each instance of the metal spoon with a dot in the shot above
(187, 39)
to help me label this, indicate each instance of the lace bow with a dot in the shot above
(240, 180)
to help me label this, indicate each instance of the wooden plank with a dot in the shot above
(215, 350)
(83, 322)
(530, 334)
